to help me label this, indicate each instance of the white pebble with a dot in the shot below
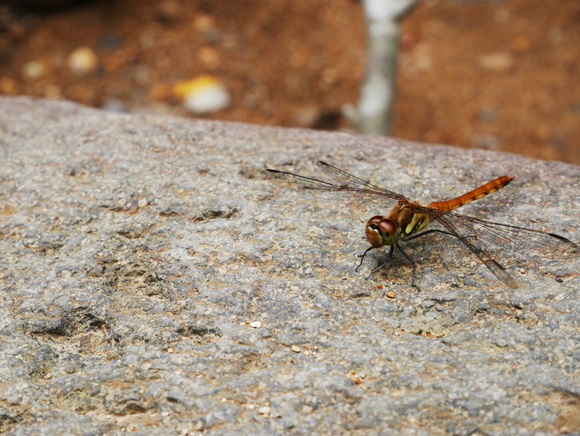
(82, 60)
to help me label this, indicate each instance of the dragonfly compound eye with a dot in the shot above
(388, 227)
(381, 231)
(373, 231)
(375, 220)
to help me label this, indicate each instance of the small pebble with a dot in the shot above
(82, 61)
(203, 94)
(497, 61)
(8, 86)
(169, 11)
(203, 23)
(358, 379)
(266, 411)
(296, 348)
(33, 70)
(208, 56)
(256, 324)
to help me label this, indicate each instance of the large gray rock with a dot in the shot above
(154, 282)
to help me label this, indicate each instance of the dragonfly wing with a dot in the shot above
(495, 267)
(516, 239)
(306, 182)
(347, 179)
(345, 182)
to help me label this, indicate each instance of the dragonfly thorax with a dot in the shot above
(381, 231)
(407, 219)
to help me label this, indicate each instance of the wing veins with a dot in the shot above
(363, 187)
(515, 238)
(495, 267)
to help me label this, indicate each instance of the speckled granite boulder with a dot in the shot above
(155, 282)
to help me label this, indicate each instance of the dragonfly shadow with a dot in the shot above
(438, 255)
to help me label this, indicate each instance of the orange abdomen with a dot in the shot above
(482, 191)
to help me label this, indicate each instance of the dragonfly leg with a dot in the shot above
(389, 257)
(362, 257)
(474, 238)
(427, 232)
(410, 259)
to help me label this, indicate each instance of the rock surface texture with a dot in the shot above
(154, 281)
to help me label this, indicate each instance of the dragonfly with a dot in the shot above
(408, 219)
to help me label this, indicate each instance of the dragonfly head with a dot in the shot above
(381, 231)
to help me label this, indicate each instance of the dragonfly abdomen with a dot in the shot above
(482, 191)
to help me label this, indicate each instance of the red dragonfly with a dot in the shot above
(407, 220)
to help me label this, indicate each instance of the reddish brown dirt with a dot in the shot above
(495, 74)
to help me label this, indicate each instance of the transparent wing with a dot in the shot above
(482, 254)
(344, 182)
(516, 239)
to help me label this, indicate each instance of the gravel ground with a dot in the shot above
(155, 282)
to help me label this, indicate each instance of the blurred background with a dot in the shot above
(495, 74)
